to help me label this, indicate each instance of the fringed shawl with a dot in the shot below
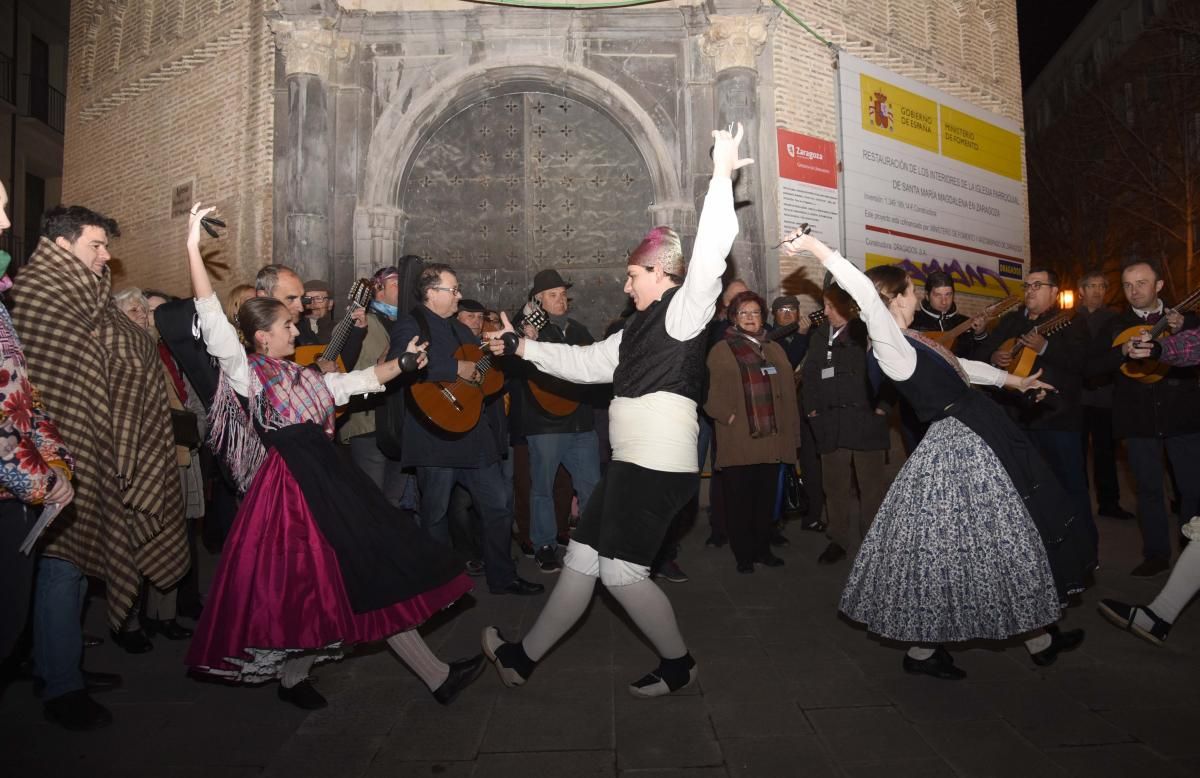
(282, 393)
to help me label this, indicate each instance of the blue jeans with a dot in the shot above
(59, 593)
(579, 453)
(486, 486)
(1146, 461)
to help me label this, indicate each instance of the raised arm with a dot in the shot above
(694, 304)
(220, 338)
(896, 355)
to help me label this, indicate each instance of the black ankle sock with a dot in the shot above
(512, 655)
(676, 672)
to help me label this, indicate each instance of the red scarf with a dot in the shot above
(756, 380)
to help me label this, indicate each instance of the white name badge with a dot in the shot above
(826, 373)
(769, 370)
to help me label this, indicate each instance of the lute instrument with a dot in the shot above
(1150, 371)
(947, 337)
(553, 395)
(1023, 357)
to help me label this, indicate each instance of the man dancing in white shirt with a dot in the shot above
(656, 365)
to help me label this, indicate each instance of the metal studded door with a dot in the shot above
(523, 182)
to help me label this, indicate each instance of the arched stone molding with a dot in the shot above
(409, 120)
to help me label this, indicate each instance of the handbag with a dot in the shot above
(795, 496)
(186, 428)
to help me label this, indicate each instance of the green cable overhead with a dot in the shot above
(626, 4)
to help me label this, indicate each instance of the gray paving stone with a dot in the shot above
(757, 718)
(386, 768)
(321, 756)
(681, 772)
(666, 732)
(1126, 760)
(777, 757)
(427, 731)
(987, 749)
(868, 735)
(1171, 731)
(563, 712)
(920, 698)
(902, 768)
(577, 764)
(839, 692)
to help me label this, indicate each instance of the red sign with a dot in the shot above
(807, 159)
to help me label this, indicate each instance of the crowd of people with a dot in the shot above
(358, 471)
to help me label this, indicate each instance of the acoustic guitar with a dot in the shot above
(548, 392)
(359, 297)
(947, 338)
(1150, 371)
(455, 406)
(1023, 357)
(779, 333)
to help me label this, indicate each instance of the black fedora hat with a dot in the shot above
(548, 279)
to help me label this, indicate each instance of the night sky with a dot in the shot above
(1043, 26)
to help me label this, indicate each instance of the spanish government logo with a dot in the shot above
(881, 112)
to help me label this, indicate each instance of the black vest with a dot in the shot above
(652, 361)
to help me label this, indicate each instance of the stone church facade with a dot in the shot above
(338, 137)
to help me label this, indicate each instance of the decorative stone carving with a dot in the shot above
(734, 41)
(310, 46)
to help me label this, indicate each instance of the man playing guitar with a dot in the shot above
(558, 433)
(1055, 424)
(1152, 416)
(442, 460)
(939, 313)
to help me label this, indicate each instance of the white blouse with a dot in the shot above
(222, 342)
(896, 355)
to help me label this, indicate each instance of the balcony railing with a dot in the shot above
(44, 102)
(8, 81)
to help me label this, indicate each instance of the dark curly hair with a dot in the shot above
(740, 299)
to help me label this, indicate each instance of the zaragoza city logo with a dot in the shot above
(881, 113)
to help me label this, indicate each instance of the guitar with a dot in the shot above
(779, 333)
(359, 297)
(1151, 371)
(947, 338)
(455, 406)
(540, 384)
(1023, 357)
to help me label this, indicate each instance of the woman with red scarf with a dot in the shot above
(752, 399)
(317, 560)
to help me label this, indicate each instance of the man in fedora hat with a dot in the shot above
(557, 433)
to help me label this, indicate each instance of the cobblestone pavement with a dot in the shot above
(786, 688)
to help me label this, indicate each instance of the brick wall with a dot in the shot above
(966, 48)
(163, 93)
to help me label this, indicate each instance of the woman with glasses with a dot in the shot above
(752, 401)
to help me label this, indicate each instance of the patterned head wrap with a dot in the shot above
(660, 248)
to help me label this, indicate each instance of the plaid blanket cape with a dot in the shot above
(100, 378)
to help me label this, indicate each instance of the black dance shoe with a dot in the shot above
(716, 541)
(462, 674)
(1059, 642)
(77, 712)
(303, 696)
(92, 682)
(778, 538)
(168, 628)
(133, 641)
(940, 665)
(832, 554)
(520, 586)
(769, 560)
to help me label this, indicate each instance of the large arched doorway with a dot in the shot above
(520, 182)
